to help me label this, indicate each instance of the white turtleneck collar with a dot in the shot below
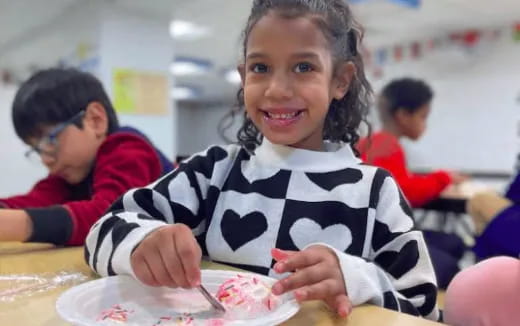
(337, 156)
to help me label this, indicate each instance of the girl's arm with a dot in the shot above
(176, 198)
(398, 273)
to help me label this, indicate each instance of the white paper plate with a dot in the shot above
(83, 304)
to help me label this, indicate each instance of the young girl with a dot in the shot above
(341, 229)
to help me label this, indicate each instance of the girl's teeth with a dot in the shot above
(282, 115)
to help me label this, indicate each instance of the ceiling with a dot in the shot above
(36, 40)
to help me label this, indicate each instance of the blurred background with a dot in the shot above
(169, 66)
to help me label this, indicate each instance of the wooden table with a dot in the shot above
(39, 308)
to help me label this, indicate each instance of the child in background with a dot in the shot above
(291, 196)
(487, 294)
(404, 106)
(66, 118)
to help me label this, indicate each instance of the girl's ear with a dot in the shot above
(242, 71)
(345, 73)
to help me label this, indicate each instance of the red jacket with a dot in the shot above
(63, 214)
(383, 150)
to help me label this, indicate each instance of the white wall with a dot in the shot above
(198, 127)
(18, 174)
(140, 43)
(475, 117)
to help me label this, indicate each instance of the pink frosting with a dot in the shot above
(249, 293)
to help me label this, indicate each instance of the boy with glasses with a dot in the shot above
(66, 118)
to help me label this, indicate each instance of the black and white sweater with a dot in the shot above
(241, 205)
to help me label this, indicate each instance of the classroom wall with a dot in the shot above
(18, 174)
(141, 43)
(475, 118)
(198, 125)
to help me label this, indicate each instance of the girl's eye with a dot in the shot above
(303, 67)
(259, 68)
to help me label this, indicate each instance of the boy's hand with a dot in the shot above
(458, 178)
(316, 276)
(169, 256)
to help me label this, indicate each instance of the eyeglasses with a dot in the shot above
(48, 144)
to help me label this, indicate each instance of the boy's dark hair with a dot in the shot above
(55, 95)
(406, 93)
(344, 34)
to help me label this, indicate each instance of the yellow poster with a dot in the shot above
(139, 92)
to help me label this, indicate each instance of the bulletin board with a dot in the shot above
(140, 92)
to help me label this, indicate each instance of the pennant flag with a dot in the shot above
(516, 32)
(416, 50)
(398, 53)
(471, 38)
(381, 56)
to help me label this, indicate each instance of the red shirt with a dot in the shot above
(383, 150)
(63, 214)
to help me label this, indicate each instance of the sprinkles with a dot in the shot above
(115, 313)
(184, 320)
(250, 292)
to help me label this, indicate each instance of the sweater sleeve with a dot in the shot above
(418, 189)
(52, 190)
(178, 197)
(398, 273)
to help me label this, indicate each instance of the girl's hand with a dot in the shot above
(169, 256)
(316, 275)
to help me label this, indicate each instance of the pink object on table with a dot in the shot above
(248, 294)
(487, 294)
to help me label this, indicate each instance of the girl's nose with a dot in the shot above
(279, 87)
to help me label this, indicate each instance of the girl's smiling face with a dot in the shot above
(289, 80)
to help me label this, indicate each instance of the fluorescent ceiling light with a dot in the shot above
(187, 69)
(189, 66)
(233, 77)
(184, 93)
(183, 30)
